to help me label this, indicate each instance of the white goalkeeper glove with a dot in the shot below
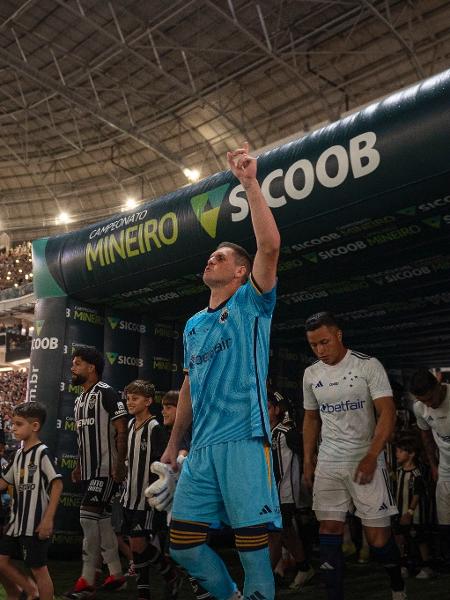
(160, 493)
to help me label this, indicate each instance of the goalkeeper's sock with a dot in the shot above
(199, 592)
(189, 549)
(252, 545)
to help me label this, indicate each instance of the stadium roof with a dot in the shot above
(101, 101)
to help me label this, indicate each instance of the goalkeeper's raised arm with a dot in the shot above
(244, 167)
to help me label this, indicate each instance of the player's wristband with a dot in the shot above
(410, 512)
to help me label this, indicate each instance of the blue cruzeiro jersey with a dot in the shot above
(226, 354)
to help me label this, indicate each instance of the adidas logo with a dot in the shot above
(265, 510)
(94, 499)
(318, 385)
(383, 507)
(207, 207)
(255, 596)
(326, 567)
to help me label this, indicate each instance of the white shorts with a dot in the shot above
(443, 502)
(335, 494)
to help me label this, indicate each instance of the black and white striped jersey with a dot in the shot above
(95, 410)
(146, 444)
(30, 474)
(409, 484)
(287, 462)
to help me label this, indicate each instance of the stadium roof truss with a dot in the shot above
(100, 100)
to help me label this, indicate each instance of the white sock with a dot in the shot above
(109, 545)
(91, 544)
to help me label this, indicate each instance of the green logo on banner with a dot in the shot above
(113, 322)
(312, 257)
(112, 357)
(433, 222)
(207, 207)
(39, 326)
(410, 211)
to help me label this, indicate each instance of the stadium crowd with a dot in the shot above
(13, 387)
(15, 266)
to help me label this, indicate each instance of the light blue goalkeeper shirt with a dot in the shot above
(226, 354)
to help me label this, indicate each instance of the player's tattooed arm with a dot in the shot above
(311, 431)
(119, 469)
(430, 450)
(181, 425)
(243, 166)
(384, 430)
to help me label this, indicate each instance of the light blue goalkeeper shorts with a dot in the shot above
(231, 482)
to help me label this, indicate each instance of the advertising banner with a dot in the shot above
(46, 362)
(84, 327)
(122, 334)
(319, 187)
(162, 355)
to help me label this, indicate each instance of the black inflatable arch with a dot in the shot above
(363, 206)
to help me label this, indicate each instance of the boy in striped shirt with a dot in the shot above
(147, 440)
(37, 489)
(412, 501)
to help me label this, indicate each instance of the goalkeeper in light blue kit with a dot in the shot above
(228, 474)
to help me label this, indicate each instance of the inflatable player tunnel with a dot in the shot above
(363, 207)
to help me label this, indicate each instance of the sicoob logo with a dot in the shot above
(207, 207)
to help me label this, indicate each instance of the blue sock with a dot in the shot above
(188, 548)
(389, 556)
(259, 583)
(332, 565)
(202, 563)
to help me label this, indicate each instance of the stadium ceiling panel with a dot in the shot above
(104, 100)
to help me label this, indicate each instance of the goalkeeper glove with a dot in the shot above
(160, 493)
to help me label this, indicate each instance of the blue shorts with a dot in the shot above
(231, 482)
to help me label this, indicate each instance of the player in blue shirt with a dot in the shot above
(228, 474)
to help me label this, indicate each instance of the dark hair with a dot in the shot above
(321, 318)
(170, 398)
(31, 410)
(241, 255)
(141, 387)
(408, 443)
(422, 381)
(92, 356)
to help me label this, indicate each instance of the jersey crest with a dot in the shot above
(93, 397)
